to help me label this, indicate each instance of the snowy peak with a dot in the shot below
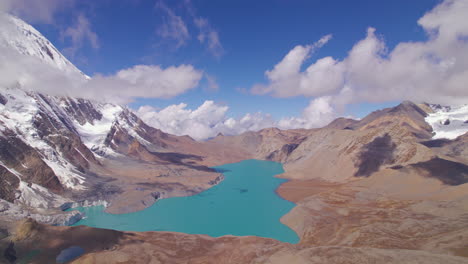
(17, 35)
(448, 122)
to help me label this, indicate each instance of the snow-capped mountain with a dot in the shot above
(65, 137)
(50, 144)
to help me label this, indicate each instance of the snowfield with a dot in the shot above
(448, 122)
(94, 134)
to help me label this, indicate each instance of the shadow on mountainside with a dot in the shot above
(187, 160)
(448, 172)
(436, 143)
(374, 154)
(49, 242)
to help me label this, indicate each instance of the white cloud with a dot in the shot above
(146, 81)
(286, 78)
(202, 123)
(318, 113)
(207, 35)
(210, 118)
(212, 85)
(176, 28)
(173, 26)
(435, 70)
(79, 34)
(36, 11)
(149, 81)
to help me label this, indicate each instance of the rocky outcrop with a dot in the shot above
(9, 184)
(3, 100)
(83, 111)
(27, 162)
(216, 181)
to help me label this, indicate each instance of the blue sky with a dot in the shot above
(254, 35)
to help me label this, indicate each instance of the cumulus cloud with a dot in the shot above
(79, 34)
(202, 123)
(286, 78)
(173, 26)
(435, 70)
(148, 81)
(210, 119)
(318, 113)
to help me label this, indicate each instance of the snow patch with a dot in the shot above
(94, 135)
(448, 122)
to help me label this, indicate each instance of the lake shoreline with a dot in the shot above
(243, 204)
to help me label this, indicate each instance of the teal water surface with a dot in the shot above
(243, 204)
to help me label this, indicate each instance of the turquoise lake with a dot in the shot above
(243, 204)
